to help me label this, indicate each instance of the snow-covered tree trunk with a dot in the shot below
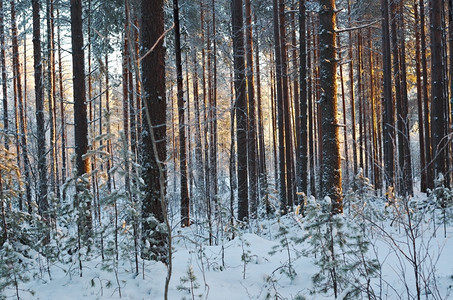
(331, 162)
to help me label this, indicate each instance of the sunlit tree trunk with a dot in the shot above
(388, 112)
(213, 117)
(4, 78)
(80, 111)
(280, 111)
(303, 102)
(311, 153)
(289, 161)
(331, 163)
(374, 122)
(62, 106)
(406, 164)
(50, 88)
(185, 202)
(345, 131)
(351, 94)
(20, 109)
(251, 136)
(262, 174)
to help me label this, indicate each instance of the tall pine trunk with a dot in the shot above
(303, 103)
(437, 90)
(185, 202)
(39, 102)
(4, 78)
(241, 109)
(251, 137)
(80, 114)
(20, 109)
(331, 163)
(388, 112)
(280, 118)
(154, 138)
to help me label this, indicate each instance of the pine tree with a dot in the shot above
(241, 109)
(80, 117)
(331, 163)
(39, 102)
(153, 148)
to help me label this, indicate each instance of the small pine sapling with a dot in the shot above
(339, 250)
(189, 283)
(285, 245)
(442, 197)
(246, 256)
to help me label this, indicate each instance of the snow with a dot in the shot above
(243, 268)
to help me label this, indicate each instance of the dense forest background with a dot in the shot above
(125, 121)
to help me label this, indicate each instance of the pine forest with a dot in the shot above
(226, 149)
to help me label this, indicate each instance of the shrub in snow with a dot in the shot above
(189, 284)
(285, 245)
(339, 250)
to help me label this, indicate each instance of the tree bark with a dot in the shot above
(185, 202)
(351, 94)
(331, 164)
(280, 118)
(80, 111)
(425, 99)
(62, 107)
(4, 78)
(241, 109)
(303, 102)
(388, 112)
(21, 109)
(153, 149)
(437, 90)
(290, 180)
(39, 102)
(251, 137)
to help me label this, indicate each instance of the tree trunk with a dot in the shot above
(62, 107)
(403, 115)
(213, 119)
(262, 174)
(280, 118)
(39, 102)
(291, 190)
(437, 90)
(425, 99)
(80, 112)
(450, 46)
(345, 131)
(153, 149)
(185, 202)
(351, 94)
(331, 164)
(374, 125)
(311, 153)
(51, 95)
(199, 170)
(241, 109)
(21, 109)
(388, 112)
(251, 138)
(303, 102)
(4, 78)
(361, 101)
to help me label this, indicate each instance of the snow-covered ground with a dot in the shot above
(257, 264)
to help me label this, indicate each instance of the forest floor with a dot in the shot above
(270, 261)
